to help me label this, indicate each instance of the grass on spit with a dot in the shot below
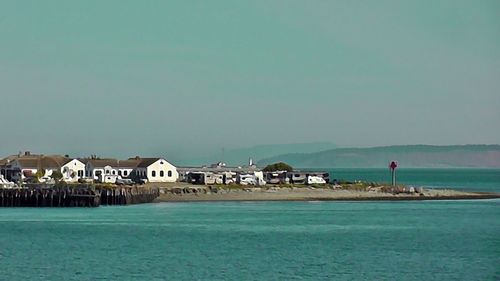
(358, 186)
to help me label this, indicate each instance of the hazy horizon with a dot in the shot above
(177, 79)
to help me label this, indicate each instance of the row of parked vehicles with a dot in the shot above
(257, 178)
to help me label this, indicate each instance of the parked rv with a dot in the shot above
(278, 177)
(257, 178)
(315, 180)
(211, 178)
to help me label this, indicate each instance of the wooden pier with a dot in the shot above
(75, 195)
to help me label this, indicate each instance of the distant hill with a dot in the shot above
(410, 156)
(240, 156)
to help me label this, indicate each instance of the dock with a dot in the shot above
(75, 195)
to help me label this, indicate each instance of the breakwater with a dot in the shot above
(75, 195)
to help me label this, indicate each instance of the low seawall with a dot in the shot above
(127, 195)
(75, 195)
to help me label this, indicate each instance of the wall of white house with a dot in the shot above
(73, 171)
(97, 173)
(162, 171)
(125, 172)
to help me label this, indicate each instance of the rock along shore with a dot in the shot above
(356, 192)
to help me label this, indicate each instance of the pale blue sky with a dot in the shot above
(121, 78)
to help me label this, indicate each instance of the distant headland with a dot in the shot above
(413, 156)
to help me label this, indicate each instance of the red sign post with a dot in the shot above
(393, 165)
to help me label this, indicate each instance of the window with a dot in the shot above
(114, 172)
(162, 174)
(153, 174)
(125, 173)
(169, 174)
(80, 173)
(119, 172)
(107, 172)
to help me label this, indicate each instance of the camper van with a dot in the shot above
(278, 177)
(315, 180)
(257, 178)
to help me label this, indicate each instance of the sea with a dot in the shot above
(477, 180)
(392, 240)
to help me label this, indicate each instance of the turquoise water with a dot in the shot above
(486, 180)
(428, 240)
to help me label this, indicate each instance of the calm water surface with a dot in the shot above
(486, 180)
(446, 240)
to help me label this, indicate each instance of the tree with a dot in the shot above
(280, 166)
(40, 173)
(57, 175)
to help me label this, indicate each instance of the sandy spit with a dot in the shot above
(307, 194)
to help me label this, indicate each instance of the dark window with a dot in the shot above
(119, 172)
(80, 173)
(153, 174)
(114, 172)
(125, 173)
(162, 174)
(169, 174)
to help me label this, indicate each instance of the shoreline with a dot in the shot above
(204, 194)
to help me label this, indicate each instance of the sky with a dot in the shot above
(179, 78)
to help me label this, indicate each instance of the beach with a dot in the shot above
(190, 193)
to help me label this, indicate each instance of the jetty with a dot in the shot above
(75, 195)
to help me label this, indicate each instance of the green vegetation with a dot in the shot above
(280, 166)
(57, 175)
(39, 174)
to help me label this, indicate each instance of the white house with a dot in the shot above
(21, 168)
(108, 170)
(73, 170)
(28, 165)
(156, 170)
